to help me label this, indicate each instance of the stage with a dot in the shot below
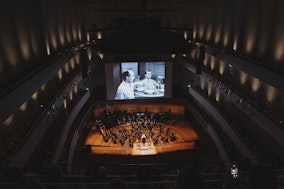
(185, 138)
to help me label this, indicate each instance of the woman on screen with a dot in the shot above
(125, 90)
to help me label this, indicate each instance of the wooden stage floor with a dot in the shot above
(185, 140)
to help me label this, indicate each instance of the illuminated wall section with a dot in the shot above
(235, 42)
(228, 11)
(218, 95)
(243, 77)
(43, 87)
(212, 64)
(61, 32)
(194, 33)
(46, 19)
(74, 29)
(185, 35)
(52, 34)
(255, 84)
(264, 31)
(68, 32)
(71, 95)
(88, 36)
(34, 38)
(68, 24)
(218, 20)
(279, 48)
(195, 23)
(209, 22)
(201, 24)
(61, 26)
(8, 40)
(80, 34)
(23, 107)
(51, 24)
(207, 60)
(35, 95)
(77, 59)
(218, 31)
(210, 88)
(9, 120)
(65, 103)
(72, 63)
(251, 27)
(47, 46)
(23, 37)
(59, 74)
(202, 83)
(270, 93)
(99, 35)
(238, 24)
(66, 68)
(75, 89)
(222, 67)
(278, 36)
(89, 54)
(226, 36)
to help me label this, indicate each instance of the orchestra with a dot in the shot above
(134, 127)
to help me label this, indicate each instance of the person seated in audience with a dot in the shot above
(143, 174)
(99, 174)
(190, 178)
(32, 183)
(262, 177)
(116, 184)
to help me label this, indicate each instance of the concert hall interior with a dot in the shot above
(134, 93)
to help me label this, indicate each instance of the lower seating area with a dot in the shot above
(134, 175)
(131, 176)
(89, 170)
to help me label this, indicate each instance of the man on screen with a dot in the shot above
(148, 82)
(125, 89)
